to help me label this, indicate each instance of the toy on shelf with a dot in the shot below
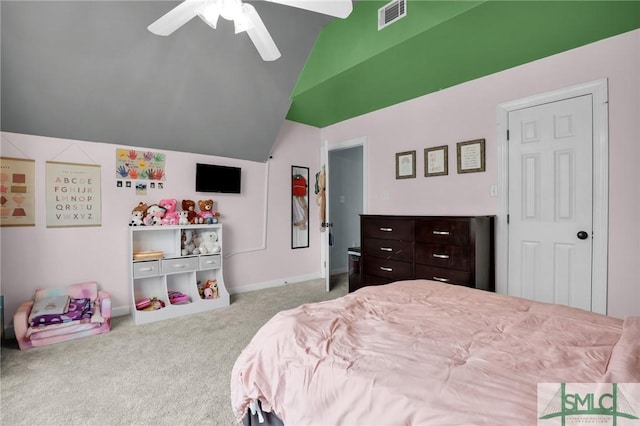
(209, 242)
(207, 213)
(171, 214)
(178, 298)
(154, 216)
(209, 290)
(183, 217)
(190, 207)
(149, 304)
(188, 243)
(137, 215)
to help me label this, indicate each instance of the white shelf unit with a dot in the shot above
(155, 278)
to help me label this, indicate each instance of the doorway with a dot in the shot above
(553, 200)
(345, 201)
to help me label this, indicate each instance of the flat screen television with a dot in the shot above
(213, 178)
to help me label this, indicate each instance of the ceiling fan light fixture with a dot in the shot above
(230, 9)
(209, 13)
(242, 23)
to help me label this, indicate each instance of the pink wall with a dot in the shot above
(33, 257)
(36, 257)
(468, 111)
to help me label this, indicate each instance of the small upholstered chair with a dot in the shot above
(99, 321)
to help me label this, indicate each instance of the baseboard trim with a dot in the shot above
(274, 283)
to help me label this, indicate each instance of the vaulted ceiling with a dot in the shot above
(90, 70)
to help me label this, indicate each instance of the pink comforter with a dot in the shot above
(424, 353)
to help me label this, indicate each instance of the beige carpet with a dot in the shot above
(173, 372)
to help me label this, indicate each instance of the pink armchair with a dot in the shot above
(100, 322)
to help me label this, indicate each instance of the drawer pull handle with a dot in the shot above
(441, 233)
(179, 266)
(444, 280)
(384, 268)
(145, 269)
(441, 256)
(386, 229)
(386, 249)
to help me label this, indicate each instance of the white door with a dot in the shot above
(550, 202)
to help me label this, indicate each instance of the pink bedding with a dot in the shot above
(421, 352)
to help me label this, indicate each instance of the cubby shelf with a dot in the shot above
(155, 277)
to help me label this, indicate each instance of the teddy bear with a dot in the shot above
(183, 217)
(207, 213)
(209, 242)
(171, 214)
(190, 207)
(137, 215)
(154, 216)
(189, 243)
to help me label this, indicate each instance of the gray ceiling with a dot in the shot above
(90, 70)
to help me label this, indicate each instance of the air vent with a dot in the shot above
(391, 12)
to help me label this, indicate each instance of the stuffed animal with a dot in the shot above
(171, 215)
(154, 216)
(190, 207)
(188, 243)
(183, 217)
(209, 242)
(137, 215)
(207, 213)
(211, 289)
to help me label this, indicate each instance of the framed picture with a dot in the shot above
(73, 196)
(405, 165)
(471, 156)
(436, 161)
(17, 192)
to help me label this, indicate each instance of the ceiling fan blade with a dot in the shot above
(337, 8)
(176, 17)
(259, 35)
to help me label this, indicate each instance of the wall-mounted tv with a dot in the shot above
(214, 178)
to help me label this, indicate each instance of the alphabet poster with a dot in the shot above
(73, 195)
(17, 192)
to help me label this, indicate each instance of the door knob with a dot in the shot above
(582, 235)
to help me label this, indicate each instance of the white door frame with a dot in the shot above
(325, 148)
(598, 90)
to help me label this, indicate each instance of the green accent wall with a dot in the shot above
(355, 69)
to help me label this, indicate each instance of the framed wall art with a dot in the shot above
(73, 194)
(17, 192)
(436, 161)
(405, 165)
(471, 157)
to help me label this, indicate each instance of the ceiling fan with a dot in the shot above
(244, 17)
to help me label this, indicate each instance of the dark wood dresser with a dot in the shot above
(451, 249)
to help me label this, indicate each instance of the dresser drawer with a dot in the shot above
(210, 262)
(452, 257)
(388, 249)
(449, 276)
(387, 229)
(444, 231)
(181, 264)
(390, 269)
(146, 269)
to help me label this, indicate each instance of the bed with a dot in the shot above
(425, 353)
